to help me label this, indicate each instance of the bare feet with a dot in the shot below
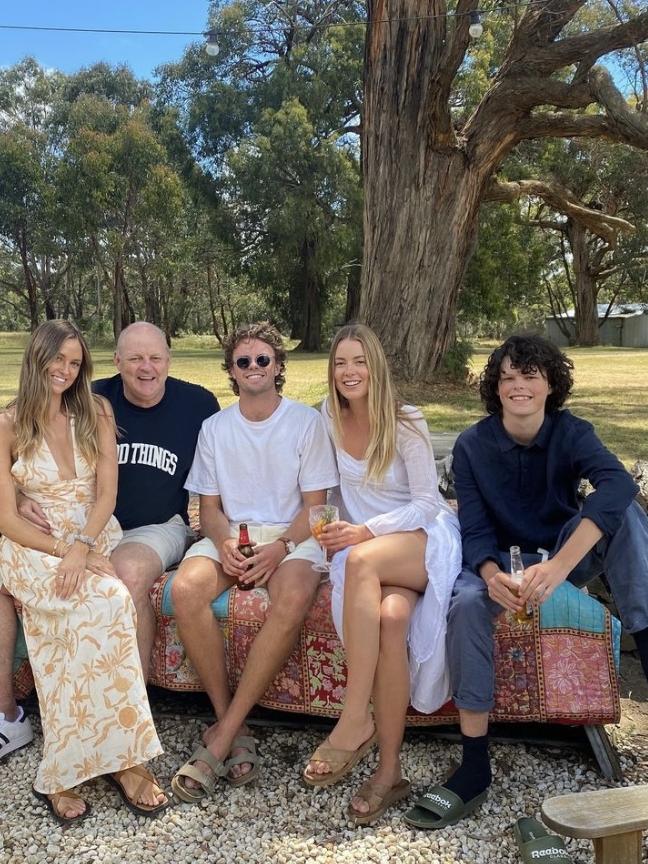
(65, 806)
(346, 735)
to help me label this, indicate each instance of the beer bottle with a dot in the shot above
(517, 574)
(247, 551)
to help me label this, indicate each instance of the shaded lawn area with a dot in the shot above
(610, 386)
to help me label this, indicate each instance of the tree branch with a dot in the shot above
(457, 43)
(542, 23)
(563, 125)
(631, 127)
(585, 48)
(561, 199)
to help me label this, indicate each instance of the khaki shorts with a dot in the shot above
(169, 540)
(308, 550)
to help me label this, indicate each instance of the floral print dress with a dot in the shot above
(83, 651)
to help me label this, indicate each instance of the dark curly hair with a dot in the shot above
(528, 352)
(266, 332)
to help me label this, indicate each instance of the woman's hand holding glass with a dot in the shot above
(319, 516)
(340, 534)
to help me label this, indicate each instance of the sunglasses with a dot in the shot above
(262, 360)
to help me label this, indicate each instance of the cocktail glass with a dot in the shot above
(318, 516)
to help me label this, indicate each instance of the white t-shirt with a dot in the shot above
(260, 468)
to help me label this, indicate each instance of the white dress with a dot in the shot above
(407, 499)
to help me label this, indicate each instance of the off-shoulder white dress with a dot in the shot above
(407, 499)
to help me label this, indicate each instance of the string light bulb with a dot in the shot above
(211, 45)
(476, 28)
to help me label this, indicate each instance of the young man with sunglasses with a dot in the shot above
(265, 460)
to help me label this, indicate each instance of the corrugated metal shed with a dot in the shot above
(626, 326)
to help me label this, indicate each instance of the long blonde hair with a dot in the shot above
(385, 409)
(31, 405)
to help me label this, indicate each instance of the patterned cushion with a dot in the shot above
(559, 668)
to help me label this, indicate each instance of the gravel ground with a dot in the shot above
(279, 819)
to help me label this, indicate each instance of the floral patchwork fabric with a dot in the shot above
(551, 669)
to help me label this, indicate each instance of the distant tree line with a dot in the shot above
(232, 187)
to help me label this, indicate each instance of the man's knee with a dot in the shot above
(194, 586)
(138, 575)
(470, 605)
(293, 600)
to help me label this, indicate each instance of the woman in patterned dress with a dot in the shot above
(394, 564)
(58, 447)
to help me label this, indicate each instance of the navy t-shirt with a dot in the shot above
(155, 449)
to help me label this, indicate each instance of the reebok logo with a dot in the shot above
(439, 800)
(557, 853)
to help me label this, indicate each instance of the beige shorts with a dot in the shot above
(169, 540)
(308, 550)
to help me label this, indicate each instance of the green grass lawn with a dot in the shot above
(610, 386)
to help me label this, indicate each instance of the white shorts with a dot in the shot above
(307, 550)
(169, 540)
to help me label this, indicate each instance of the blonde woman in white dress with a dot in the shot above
(58, 447)
(395, 559)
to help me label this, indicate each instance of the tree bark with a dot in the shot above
(311, 315)
(425, 172)
(123, 313)
(31, 290)
(419, 237)
(586, 287)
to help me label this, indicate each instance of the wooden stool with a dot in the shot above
(613, 818)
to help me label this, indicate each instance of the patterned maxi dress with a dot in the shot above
(83, 651)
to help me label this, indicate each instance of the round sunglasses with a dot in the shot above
(262, 360)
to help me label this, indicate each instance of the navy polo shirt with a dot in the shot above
(513, 494)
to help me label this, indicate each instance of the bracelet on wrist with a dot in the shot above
(86, 539)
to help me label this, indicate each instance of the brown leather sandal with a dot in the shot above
(207, 781)
(379, 797)
(52, 802)
(340, 761)
(132, 801)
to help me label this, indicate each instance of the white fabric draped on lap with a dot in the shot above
(406, 500)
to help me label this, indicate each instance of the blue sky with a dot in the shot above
(70, 51)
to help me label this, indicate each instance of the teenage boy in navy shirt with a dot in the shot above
(517, 474)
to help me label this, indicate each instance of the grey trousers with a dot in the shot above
(623, 557)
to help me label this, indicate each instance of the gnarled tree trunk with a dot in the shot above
(420, 230)
(426, 169)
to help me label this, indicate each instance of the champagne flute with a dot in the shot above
(318, 516)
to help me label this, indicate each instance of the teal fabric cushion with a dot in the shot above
(569, 608)
(220, 605)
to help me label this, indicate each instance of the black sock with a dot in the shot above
(641, 638)
(474, 774)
